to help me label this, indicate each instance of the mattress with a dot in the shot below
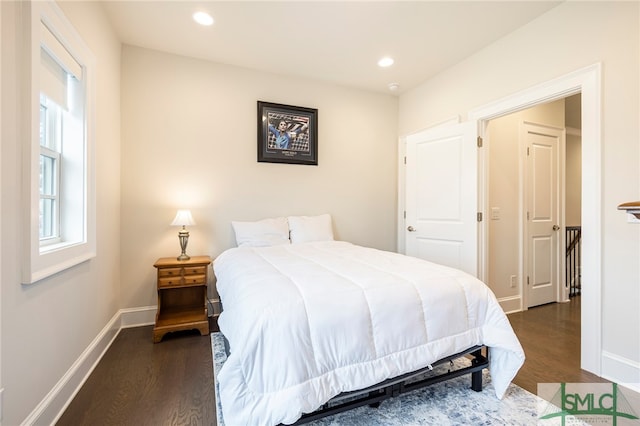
(306, 322)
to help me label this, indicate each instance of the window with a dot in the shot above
(59, 174)
(62, 144)
(50, 142)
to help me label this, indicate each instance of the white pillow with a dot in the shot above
(303, 229)
(262, 233)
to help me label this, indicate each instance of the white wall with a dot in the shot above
(570, 37)
(189, 131)
(46, 326)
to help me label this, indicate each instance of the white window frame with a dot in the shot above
(44, 260)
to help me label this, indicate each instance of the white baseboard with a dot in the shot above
(51, 408)
(621, 370)
(137, 317)
(511, 304)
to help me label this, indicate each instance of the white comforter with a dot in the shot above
(306, 322)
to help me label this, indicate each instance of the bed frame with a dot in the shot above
(375, 394)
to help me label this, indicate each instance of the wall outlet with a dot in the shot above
(513, 281)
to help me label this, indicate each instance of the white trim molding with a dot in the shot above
(53, 405)
(138, 317)
(402, 153)
(614, 367)
(49, 410)
(79, 244)
(588, 82)
(511, 304)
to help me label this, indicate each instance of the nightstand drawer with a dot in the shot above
(195, 270)
(170, 281)
(182, 280)
(195, 279)
(170, 272)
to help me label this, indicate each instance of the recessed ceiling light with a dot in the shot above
(385, 62)
(203, 18)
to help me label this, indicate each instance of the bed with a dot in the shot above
(309, 319)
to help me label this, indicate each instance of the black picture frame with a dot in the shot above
(287, 134)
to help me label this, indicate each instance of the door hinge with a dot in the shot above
(527, 150)
(527, 215)
(479, 216)
(405, 159)
(527, 280)
(405, 214)
(479, 141)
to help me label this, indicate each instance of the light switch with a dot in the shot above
(495, 213)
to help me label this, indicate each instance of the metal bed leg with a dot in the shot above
(476, 381)
(374, 404)
(476, 376)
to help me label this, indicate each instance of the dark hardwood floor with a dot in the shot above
(550, 337)
(138, 382)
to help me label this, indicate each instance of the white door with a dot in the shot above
(442, 196)
(542, 206)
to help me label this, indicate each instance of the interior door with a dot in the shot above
(542, 206)
(442, 196)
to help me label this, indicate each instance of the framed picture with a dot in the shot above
(287, 134)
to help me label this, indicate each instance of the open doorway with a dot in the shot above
(586, 81)
(534, 200)
(526, 221)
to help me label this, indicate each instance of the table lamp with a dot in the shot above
(183, 218)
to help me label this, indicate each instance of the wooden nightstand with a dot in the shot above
(182, 295)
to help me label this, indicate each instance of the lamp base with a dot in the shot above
(183, 236)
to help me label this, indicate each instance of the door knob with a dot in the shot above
(411, 228)
(556, 227)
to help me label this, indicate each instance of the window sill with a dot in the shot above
(57, 258)
(48, 248)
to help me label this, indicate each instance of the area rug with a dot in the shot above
(446, 403)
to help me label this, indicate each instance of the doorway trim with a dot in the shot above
(588, 82)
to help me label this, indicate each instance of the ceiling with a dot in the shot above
(333, 41)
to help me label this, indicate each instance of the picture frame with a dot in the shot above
(287, 134)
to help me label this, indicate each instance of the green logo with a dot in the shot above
(595, 401)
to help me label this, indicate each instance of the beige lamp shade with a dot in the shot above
(183, 218)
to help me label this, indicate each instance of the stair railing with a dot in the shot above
(573, 270)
